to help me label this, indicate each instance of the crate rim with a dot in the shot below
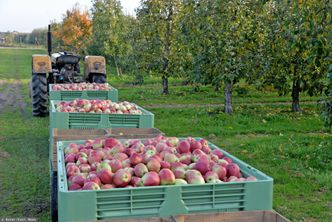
(93, 90)
(62, 172)
(144, 111)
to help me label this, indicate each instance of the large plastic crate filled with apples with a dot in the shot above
(83, 91)
(85, 114)
(112, 179)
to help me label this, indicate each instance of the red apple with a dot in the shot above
(93, 178)
(153, 165)
(180, 182)
(203, 142)
(70, 158)
(72, 170)
(202, 167)
(185, 158)
(206, 149)
(229, 160)
(94, 157)
(107, 186)
(103, 165)
(111, 142)
(179, 173)
(120, 156)
(220, 170)
(94, 166)
(183, 147)
(211, 177)
(233, 170)
(218, 152)
(91, 186)
(172, 141)
(161, 146)
(115, 165)
(165, 164)
(105, 176)
(78, 179)
(151, 179)
(170, 157)
(135, 159)
(194, 177)
(98, 143)
(135, 181)
(121, 178)
(195, 145)
(167, 177)
(140, 169)
(71, 148)
(74, 186)
(81, 160)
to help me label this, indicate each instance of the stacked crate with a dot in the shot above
(69, 126)
(126, 203)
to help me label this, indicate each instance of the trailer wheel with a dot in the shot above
(39, 94)
(54, 196)
(98, 78)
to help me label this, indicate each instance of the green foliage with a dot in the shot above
(326, 104)
(158, 23)
(110, 31)
(283, 44)
(297, 48)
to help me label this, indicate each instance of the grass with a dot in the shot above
(150, 93)
(293, 148)
(16, 63)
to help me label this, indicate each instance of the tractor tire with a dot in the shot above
(98, 78)
(39, 94)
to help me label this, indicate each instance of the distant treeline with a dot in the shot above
(36, 37)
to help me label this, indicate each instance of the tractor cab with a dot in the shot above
(65, 67)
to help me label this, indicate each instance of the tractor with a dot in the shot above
(61, 67)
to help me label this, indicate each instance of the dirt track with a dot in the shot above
(221, 104)
(11, 97)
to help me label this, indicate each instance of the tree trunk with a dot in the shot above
(296, 96)
(116, 66)
(217, 87)
(167, 47)
(165, 84)
(228, 97)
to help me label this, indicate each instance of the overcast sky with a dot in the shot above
(25, 15)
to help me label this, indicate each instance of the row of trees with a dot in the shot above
(36, 37)
(219, 42)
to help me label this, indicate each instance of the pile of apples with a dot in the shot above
(97, 106)
(109, 163)
(81, 86)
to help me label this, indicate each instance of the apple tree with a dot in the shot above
(298, 50)
(158, 26)
(219, 37)
(109, 26)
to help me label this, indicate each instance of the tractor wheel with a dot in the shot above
(98, 78)
(39, 94)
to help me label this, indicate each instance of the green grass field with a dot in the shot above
(293, 148)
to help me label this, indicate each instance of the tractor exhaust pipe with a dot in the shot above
(49, 40)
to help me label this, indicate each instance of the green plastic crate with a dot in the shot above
(99, 120)
(163, 201)
(84, 94)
